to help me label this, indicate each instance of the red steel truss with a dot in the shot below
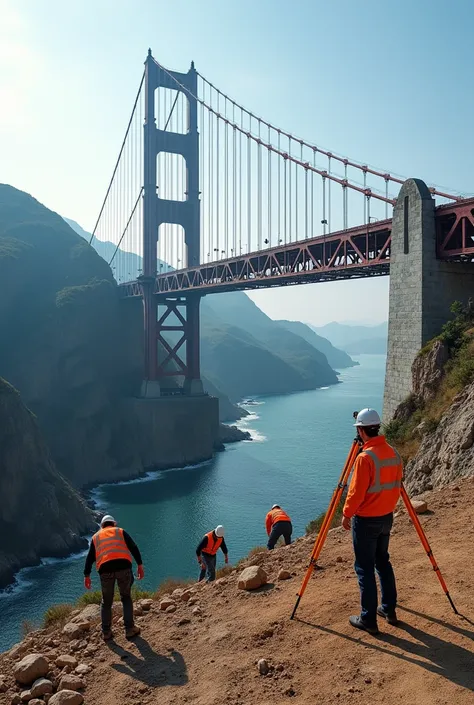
(455, 230)
(349, 254)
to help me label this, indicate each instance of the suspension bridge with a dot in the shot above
(207, 197)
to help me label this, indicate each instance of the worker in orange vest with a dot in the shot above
(278, 523)
(373, 495)
(206, 553)
(112, 549)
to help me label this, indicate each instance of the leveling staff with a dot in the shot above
(373, 495)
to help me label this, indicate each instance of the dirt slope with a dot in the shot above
(211, 660)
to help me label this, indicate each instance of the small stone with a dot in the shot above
(66, 697)
(284, 574)
(183, 621)
(166, 602)
(83, 669)
(75, 630)
(368, 681)
(71, 682)
(16, 700)
(17, 650)
(3, 685)
(263, 667)
(420, 506)
(339, 559)
(91, 613)
(252, 578)
(36, 701)
(137, 611)
(30, 668)
(171, 608)
(40, 687)
(290, 692)
(193, 601)
(146, 604)
(25, 696)
(177, 593)
(186, 595)
(197, 612)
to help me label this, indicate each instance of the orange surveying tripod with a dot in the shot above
(334, 503)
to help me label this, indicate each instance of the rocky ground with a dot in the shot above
(220, 645)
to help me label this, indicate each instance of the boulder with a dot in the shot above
(40, 687)
(66, 697)
(171, 608)
(91, 613)
(83, 669)
(30, 668)
(166, 602)
(420, 506)
(25, 696)
(71, 682)
(252, 578)
(284, 574)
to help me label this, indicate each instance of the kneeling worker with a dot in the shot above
(112, 549)
(278, 523)
(373, 495)
(207, 550)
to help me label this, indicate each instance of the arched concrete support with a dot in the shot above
(422, 288)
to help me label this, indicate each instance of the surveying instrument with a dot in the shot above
(356, 448)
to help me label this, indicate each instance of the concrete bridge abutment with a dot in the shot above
(422, 288)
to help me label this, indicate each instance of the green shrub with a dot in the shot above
(57, 615)
(93, 597)
(314, 526)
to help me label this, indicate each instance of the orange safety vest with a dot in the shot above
(376, 483)
(273, 516)
(110, 546)
(213, 544)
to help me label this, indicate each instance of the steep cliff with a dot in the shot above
(63, 343)
(434, 427)
(40, 513)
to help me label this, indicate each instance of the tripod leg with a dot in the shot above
(323, 531)
(424, 541)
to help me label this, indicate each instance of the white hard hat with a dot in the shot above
(219, 531)
(368, 417)
(276, 506)
(107, 519)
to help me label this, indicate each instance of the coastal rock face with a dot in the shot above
(68, 345)
(446, 454)
(40, 513)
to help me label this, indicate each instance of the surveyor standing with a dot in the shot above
(373, 495)
(112, 549)
(278, 523)
(206, 552)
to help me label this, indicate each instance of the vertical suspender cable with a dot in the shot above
(269, 177)
(329, 195)
(218, 180)
(234, 183)
(259, 190)
(324, 206)
(240, 182)
(289, 193)
(249, 186)
(226, 181)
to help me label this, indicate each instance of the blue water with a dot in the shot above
(301, 441)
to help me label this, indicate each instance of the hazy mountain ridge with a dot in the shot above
(355, 339)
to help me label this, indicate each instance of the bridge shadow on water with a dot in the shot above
(150, 668)
(430, 652)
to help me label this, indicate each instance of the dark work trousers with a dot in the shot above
(210, 566)
(280, 528)
(371, 536)
(124, 580)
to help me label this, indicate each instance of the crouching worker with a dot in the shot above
(278, 523)
(111, 550)
(207, 550)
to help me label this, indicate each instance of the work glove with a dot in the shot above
(87, 582)
(140, 572)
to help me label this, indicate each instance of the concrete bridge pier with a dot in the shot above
(422, 288)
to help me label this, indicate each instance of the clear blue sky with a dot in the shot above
(386, 83)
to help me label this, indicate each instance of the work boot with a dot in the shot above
(107, 635)
(391, 617)
(132, 631)
(358, 623)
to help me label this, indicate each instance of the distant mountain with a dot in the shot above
(243, 352)
(338, 359)
(356, 339)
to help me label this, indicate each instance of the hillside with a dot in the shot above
(207, 652)
(356, 339)
(338, 359)
(40, 513)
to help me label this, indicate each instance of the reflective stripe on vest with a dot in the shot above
(378, 485)
(279, 515)
(110, 546)
(212, 545)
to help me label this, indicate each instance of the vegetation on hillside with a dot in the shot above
(458, 336)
